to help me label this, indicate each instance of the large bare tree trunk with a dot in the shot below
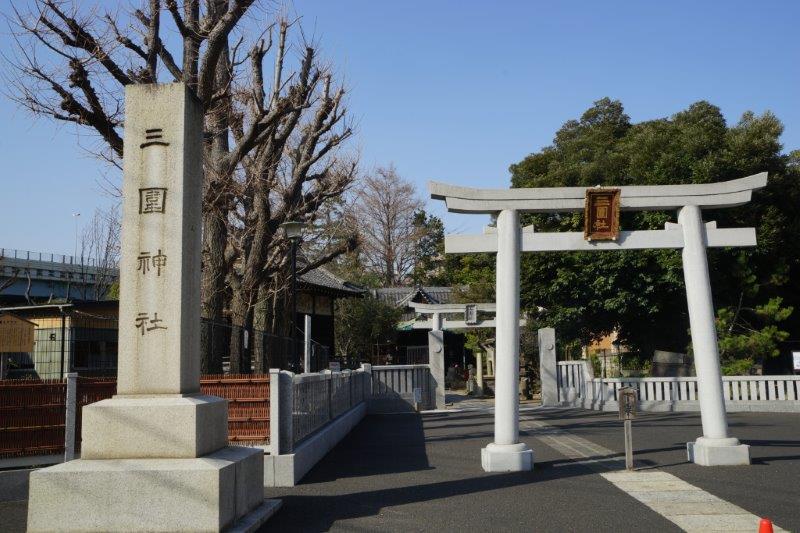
(272, 152)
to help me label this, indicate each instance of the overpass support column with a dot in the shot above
(506, 453)
(715, 447)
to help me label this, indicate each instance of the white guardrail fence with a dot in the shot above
(311, 413)
(577, 387)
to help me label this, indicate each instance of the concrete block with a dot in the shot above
(718, 452)
(163, 426)
(256, 518)
(548, 367)
(507, 458)
(249, 464)
(203, 494)
(436, 363)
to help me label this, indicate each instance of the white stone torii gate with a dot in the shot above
(506, 453)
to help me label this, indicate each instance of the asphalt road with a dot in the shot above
(422, 473)
(769, 487)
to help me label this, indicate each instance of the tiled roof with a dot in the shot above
(321, 278)
(402, 296)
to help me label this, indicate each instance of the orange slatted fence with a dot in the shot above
(32, 417)
(248, 404)
(91, 390)
(33, 412)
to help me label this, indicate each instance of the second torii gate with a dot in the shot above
(438, 324)
(690, 234)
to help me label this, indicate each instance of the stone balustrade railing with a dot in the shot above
(577, 387)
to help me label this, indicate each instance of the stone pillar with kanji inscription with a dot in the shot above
(155, 457)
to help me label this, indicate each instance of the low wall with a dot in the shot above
(312, 413)
(286, 470)
(578, 388)
(393, 388)
(742, 393)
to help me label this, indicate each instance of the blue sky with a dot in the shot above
(456, 91)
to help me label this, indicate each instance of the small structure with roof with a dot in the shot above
(412, 337)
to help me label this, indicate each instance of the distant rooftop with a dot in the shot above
(402, 296)
(322, 279)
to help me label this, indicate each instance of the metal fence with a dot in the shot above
(88, 345)
(413, 355)
(75, 342)
(319, 398)
(259, 350)
(32, 418)
(27, 255)
(320, 357)
(90, 390)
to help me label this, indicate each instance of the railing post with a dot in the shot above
(274, 411)
(367, 367)
(281, 437)
(71, 416)
(329, 378)
(588, 380)
(308, 365)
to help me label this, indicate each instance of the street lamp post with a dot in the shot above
(74, 256)
(294, 231)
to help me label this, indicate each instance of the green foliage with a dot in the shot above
(477, 292)
(363, 322)
(113, 291)
(429, 258)
(641, 293)
(747, 336)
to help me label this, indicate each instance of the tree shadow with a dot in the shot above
(380, 444)
(328, 509)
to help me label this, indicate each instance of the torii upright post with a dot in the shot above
(506, 453)
(715, 446)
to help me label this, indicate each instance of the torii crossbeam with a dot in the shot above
(690, 234)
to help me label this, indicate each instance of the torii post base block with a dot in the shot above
(207, 493)
(507, 458)
(718, 452)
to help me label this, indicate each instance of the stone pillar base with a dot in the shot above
(163, 426)
(718, 452)
(507, 458)
(209, 493)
